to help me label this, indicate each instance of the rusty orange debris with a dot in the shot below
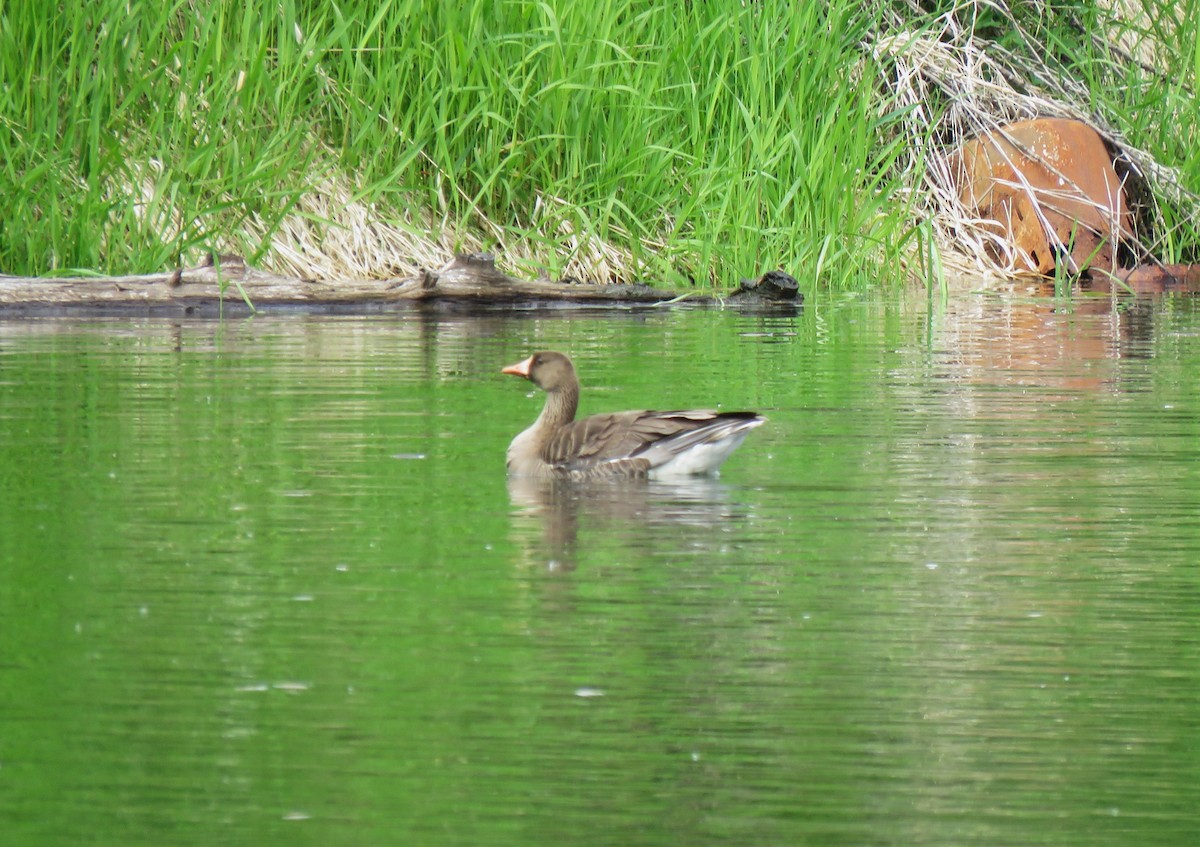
(1049, 188)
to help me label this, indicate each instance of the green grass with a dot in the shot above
(676, 142)
(702, 140)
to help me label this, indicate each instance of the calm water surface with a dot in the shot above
(264, 582)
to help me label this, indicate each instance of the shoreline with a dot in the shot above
(473, 280)
(226, 284)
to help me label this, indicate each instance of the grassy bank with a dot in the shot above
(609, 139)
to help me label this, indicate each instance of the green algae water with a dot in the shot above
(265, 582)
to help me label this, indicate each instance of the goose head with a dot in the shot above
(548, 370)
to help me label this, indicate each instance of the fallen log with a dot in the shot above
(227, 282)
(475, 278)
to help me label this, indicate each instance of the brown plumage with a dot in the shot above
(620, 444)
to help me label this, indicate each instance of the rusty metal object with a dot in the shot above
(1049, 188)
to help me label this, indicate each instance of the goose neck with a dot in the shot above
(560, 407)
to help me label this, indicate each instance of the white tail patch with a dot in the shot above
(700, 452)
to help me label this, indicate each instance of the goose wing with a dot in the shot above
(635, 442)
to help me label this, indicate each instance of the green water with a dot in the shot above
(264, 582)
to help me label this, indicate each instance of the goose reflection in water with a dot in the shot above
(555, 517)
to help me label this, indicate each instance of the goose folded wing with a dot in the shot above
(621, 436)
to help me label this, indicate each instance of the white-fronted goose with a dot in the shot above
(621, 444)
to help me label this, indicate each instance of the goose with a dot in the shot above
(620, 444)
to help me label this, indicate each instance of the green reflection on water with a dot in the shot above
(267, 581)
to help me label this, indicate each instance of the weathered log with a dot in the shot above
(230, 281)
(475, 278)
